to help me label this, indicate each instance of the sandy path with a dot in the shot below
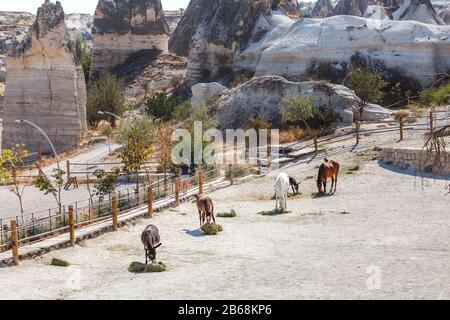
(396, 228)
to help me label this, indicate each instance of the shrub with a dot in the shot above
(105, 94)
(404, 114)
(161, 106)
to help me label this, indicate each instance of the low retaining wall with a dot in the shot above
(414, 158)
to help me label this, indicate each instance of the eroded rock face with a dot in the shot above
(322, 9)
(329, 46)
(229, 19)
(45, 84)
(227, 30)
(263, 97)
(351, 7)
(445, 16)
(417, 10)
(124, 27)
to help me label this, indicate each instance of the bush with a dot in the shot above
(59, 263)
(161, 106)
(404, 114)
(211, 229)
(105, 94)
(81, 52)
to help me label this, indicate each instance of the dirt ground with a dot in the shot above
(384, 234)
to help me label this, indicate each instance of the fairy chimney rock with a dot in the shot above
(124, 27)
(45, 85)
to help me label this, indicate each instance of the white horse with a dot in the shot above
(281, 191)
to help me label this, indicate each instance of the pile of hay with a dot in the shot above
(137, 267)
(273, 212)
(155, 267)
(59, 263)
(230, 214)
(211, 229)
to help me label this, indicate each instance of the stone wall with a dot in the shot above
(414, 158)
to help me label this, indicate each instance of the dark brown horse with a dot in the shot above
(329, 169)
(205, 208)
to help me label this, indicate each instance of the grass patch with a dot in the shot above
(211, 229)
(309, 178)
(59, 263)
(230, 214)
(354, 168)
(156, 267)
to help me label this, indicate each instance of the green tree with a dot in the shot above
(81, 52)
(52, 185)
(10, 162)
(137, 138)
(106, 182)
(161, 106)
(299, 110)
(105, 94)
(367, 85)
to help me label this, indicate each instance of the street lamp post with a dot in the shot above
(22, 121)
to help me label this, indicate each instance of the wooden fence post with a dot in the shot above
(269, 157)
(150, 202)
(177, 192)
(68, 169)
(316, 148)
(15, 242)
(431, 122)
(401, 128)
(115, 213)
(231, 171)
(200, 181)
(357, 132)
(72, 226)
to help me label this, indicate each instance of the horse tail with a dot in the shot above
(321, 170)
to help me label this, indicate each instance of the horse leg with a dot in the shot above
(332, 184)
(200, 217)
(276, 202)
(146, 256)
(325, 186)
(335, 183)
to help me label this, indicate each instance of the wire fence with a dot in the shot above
(41, 225)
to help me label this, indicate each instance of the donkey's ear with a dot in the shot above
(159, 245)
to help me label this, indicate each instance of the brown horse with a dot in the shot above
(329, 169)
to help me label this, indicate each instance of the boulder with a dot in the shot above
(45, 85)
(206, 93)
(124, 27)
(263, 97)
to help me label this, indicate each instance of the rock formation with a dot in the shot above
(45, 85)
(445, 16)
(322, 9)
(417, 10)
(263, 97)
(327, 47)
(206, 93)
(225, 17)
(351, 7)
(124, 27)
